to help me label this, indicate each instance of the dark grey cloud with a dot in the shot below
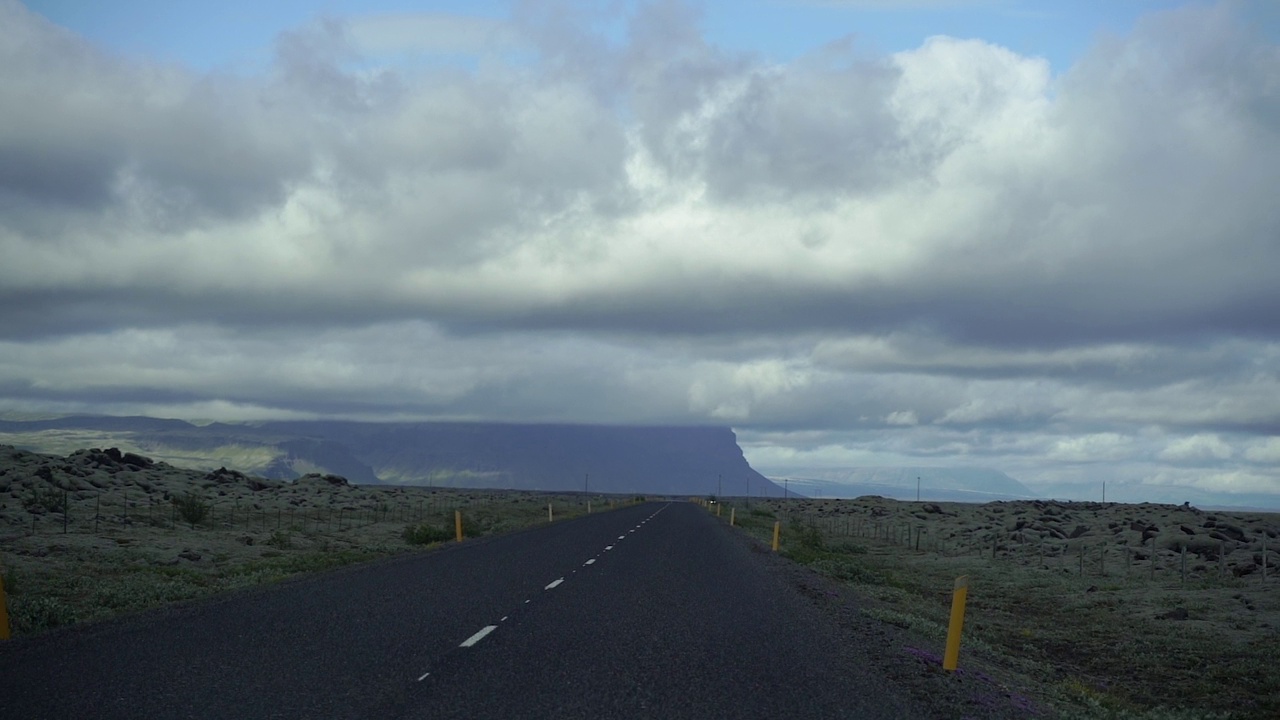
(946, 255)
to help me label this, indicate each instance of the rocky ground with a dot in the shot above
(100, 532)
(1214, 544)
(1070, 608)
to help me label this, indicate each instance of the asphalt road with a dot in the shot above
(650, 611)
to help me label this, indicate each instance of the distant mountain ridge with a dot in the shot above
(599, 458)
(951, 484)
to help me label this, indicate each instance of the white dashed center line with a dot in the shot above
(484, 631)
(478, 636)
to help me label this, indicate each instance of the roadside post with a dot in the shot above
(457, 524)
(952, 656)
(732, 513)
(777, 530)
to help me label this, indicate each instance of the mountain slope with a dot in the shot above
(649, 460)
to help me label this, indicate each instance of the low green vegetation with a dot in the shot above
(1112, 646)
(102, 569)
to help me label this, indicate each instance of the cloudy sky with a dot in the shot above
(1042, 237)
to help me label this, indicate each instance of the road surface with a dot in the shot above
(649, 611)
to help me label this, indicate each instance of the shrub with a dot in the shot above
(191, 507)
(810, 537)
(425, 534)
(45, 500)
(281, 540)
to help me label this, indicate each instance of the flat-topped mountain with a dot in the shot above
(600, 458)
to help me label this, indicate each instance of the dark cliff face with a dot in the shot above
(665, 460)
(599, 458)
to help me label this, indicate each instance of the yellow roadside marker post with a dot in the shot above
(550, 516)
(4, 612)
(457, 524)
(952, 655)
(777, 530)
(732, 512)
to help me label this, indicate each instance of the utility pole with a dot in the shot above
(786, 489)
(586, 478)
(917, 488)
(719, 487)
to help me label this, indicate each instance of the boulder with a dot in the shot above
(223, 475)
(339, 480)
(1232, 532)
(137, 461)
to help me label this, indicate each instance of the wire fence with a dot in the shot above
(1184, 559)
(123, 511)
